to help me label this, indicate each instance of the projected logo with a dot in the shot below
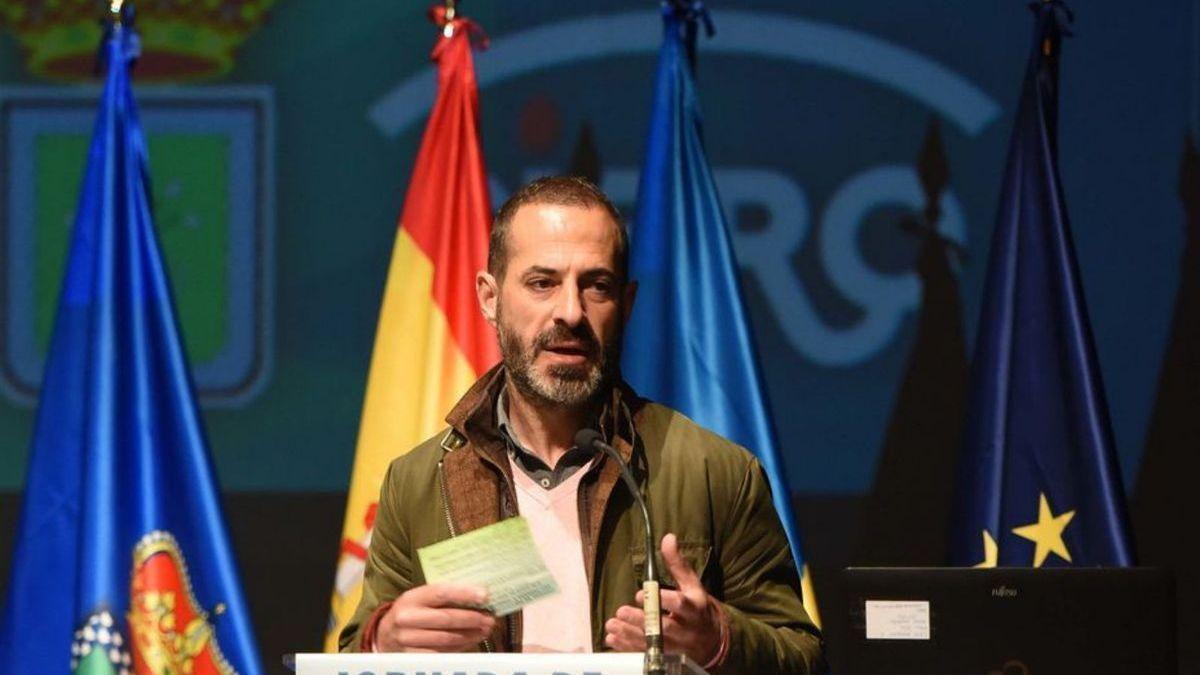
(211, 174)
(789, 220)
(181, 41)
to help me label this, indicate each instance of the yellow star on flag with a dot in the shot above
(991, 552)
(1046, 533)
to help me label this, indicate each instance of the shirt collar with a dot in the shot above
(522, 454)
(502, 422)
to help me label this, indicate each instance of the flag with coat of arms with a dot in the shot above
(122, 562)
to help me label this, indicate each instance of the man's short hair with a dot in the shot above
(558, 191)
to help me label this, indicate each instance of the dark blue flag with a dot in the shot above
(1039, 479)
(690, 332)
(121, 559)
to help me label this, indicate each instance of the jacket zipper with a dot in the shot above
(487, 642)
(446, 501)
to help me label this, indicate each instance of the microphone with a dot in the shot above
(655, 664)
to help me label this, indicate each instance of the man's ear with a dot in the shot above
(630, 296)
(487, 290)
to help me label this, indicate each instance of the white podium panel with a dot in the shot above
(484, 664)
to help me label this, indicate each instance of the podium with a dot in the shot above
(609, 663)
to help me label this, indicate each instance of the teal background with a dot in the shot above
(1129, 100)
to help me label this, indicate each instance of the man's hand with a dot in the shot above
(435, 618)
(691, 620)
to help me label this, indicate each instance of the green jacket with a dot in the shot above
(710, 492)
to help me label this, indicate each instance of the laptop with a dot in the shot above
(1009, 621)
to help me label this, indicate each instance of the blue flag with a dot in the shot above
(121, 557)
(695, 351)
(1039, 481)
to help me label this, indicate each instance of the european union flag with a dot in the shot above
(1039, 480)
(121, 561)
(694, 350)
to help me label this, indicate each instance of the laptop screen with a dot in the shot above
(1009, 621)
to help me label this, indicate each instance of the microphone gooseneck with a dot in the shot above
(655, 663)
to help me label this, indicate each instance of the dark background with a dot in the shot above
(828, 106)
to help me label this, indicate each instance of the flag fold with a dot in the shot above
(431, 342)
(1039, 481)
(689, 342)
(122, 562)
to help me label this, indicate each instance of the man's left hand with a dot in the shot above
(691, 619)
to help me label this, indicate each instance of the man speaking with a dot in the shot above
(557, 291)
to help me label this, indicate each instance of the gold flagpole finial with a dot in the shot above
(1047, 45)
(451, 12)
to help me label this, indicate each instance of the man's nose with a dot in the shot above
(569, 308)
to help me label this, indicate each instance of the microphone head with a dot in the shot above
(587, 438)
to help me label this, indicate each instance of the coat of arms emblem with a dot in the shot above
(171, 633)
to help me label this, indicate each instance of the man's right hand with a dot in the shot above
(435, 618)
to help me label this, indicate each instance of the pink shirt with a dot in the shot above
(562, 622)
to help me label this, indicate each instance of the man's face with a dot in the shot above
(560, 307)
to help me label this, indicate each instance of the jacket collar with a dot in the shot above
(474, 418)
(475, 456)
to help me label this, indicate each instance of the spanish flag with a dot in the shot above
(432, 343)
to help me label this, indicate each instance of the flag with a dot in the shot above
(693, 348)
(432, 342)
(122, 561)
(1039, 482)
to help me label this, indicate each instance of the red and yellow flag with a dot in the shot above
(432, 342)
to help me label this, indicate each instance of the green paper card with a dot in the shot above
(501, 558)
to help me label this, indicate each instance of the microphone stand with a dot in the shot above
(655, 663)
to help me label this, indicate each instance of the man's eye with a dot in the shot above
(601, 289)
(540, 284)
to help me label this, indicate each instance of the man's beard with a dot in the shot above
(561, 385)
